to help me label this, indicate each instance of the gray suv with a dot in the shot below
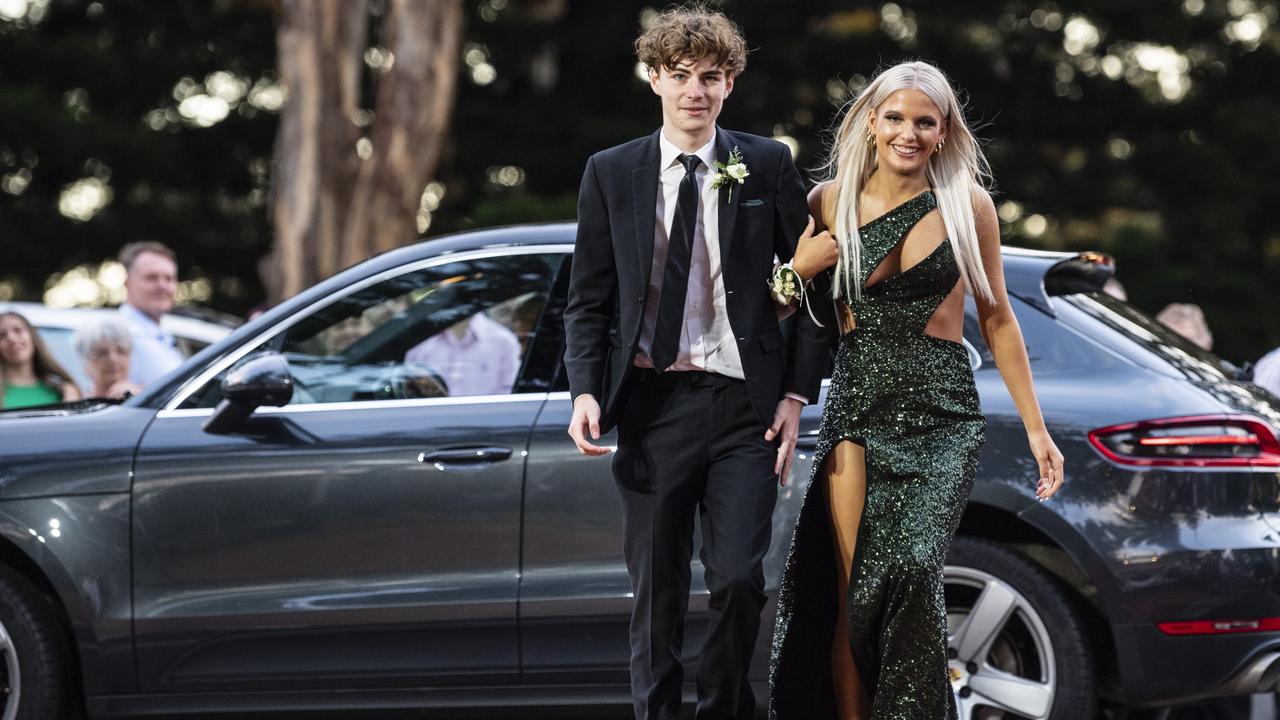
(366, 500)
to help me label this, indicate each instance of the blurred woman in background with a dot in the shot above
(105, 348)
(29, 375)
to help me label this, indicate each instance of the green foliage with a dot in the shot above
(75, 93)
(1086, 145)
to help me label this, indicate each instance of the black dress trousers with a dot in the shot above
(689, 442)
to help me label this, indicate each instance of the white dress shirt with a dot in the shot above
(155, 351)
(484, 360)
(706, 340)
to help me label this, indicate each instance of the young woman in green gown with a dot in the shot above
(861, 628)
(29, 375)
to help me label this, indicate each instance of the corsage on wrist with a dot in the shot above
(785, 286)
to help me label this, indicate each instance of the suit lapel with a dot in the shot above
(644, 193)
(728, 214)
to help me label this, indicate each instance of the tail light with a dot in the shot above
(1200, 441)
(1220, 627)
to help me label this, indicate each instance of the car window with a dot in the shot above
(544, 368)
(457, 329)
(1141, 338)
(1051, 345)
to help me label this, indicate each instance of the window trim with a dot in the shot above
(199, 380)
(355, 405)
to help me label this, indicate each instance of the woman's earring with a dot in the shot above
(938, 148)
(871, 139)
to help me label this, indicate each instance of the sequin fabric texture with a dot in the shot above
(909, 399)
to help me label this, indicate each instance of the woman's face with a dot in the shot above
(16, 345)
(107, 364)
(908, 127)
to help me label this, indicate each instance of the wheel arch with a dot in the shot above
(1009, 530)
(16, 559)
(81, 563)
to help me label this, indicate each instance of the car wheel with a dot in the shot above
(1017, 648)
(33, 657)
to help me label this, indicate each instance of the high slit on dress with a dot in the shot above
(909, 399)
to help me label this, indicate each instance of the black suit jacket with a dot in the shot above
(613, 257)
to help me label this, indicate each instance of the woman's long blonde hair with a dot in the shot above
(953, 172)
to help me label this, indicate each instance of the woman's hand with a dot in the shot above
(1050, 461)
(814, 253)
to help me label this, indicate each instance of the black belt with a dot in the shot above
(694, 378)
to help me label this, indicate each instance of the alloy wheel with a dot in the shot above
(11, 681)
(1000, 655)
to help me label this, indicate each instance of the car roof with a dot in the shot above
(1024, 268)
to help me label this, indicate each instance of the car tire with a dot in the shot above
(1016, 644)
(32, 647)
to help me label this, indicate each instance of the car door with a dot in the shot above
(575, 595)
(367, 533)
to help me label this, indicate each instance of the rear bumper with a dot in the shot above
(1158, 669)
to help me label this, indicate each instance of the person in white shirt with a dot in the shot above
(151, 285)
(476, 356)
(1266, 373)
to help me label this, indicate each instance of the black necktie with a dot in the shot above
(675, 278)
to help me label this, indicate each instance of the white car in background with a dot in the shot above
(57, 326)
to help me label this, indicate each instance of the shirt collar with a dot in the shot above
(671, 154)
(136, 314)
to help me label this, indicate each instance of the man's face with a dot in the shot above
(692, 93)
(151, 284)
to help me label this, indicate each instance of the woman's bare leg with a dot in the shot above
(845, 472)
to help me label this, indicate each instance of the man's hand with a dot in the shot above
(586, 419)
(786, 426)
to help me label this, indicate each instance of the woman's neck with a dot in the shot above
(19, 374)
(896, 188)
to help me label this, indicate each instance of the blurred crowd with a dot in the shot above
(119, 354)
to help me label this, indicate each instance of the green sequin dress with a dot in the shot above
(909, 399)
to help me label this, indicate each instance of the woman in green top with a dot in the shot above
(28, 373)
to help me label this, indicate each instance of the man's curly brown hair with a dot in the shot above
(692, 32)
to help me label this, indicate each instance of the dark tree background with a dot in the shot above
(1145, 129)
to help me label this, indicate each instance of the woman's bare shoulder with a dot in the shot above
(822, 199)
(984, 207)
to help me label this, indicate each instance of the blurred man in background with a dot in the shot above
(151, 285)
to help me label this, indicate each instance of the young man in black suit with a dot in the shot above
(672, 335)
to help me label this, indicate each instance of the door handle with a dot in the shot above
(464, 456)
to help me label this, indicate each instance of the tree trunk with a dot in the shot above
(329, 208)
(414, 102)
(320, 45)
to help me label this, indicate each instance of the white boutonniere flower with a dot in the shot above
(732, 172)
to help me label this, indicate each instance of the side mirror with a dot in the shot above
(263, 380)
